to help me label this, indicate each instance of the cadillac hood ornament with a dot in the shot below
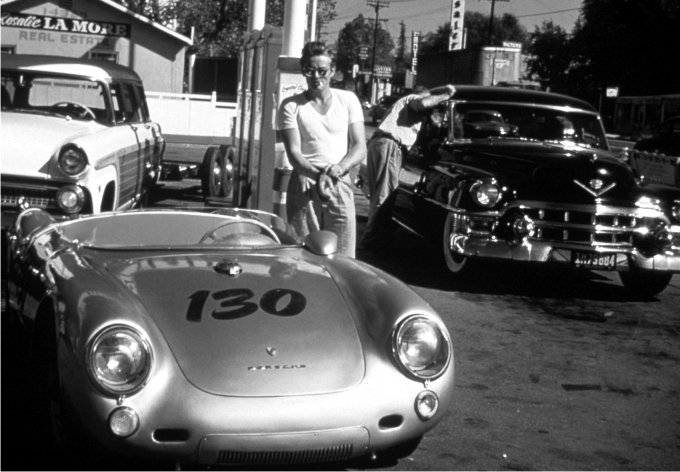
(595, 187)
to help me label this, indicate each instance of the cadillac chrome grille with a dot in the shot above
(585, 227)
(337, 453)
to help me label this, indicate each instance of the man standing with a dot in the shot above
(394, 137)
(323, 132)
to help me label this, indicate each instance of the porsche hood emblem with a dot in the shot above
(595, 187)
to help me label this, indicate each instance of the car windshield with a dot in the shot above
(529, 122)
(75, 98)
(163, 229)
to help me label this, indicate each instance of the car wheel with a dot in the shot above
(228, 170)
(48, 413)
(456, 263)
(645, 284)
(212, 169)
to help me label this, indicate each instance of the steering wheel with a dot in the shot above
(72, 109)
(211, 232)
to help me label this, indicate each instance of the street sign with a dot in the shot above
(612, 91)
(363, 53)
(383, 72)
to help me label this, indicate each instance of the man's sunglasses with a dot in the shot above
(309, 72)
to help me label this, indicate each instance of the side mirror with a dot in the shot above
(322, 243)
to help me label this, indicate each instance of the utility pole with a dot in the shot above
(377, 4)
(493, 5)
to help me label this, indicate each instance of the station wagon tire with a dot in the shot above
(455, 263)
(212, 170)
(645, 284)
(228, 170)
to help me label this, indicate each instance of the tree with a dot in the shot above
(476, 26)
(360, 32)
(629, 44)
(550, 57)
(325, 13)
(218, 25)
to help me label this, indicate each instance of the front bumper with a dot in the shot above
(556, 234)
(180, 423)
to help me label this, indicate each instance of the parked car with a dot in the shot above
(549, 193)
(382, 106)
(77, 137)
(218, 338)
(665, 139)
(485, 123)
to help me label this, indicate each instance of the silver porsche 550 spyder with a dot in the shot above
(217, 337)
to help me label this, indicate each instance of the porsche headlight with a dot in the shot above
(422, 347)
(485, 194)
(72, 161)
(119, 360)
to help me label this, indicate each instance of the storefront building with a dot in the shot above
(96, 29)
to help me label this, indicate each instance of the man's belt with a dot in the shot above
(378, 133)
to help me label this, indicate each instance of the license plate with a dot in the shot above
(593, 260)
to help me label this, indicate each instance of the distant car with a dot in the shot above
(665, 139)
(218, 338)
(485, 123)
(77, 137)
(551, 193)
(382, 106)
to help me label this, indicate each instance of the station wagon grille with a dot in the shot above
(40, 198)
(337, 453)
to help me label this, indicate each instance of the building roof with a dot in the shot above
(127, 11)
(68, 66)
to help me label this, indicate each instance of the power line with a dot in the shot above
(547, 13)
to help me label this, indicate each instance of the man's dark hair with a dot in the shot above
(420, 89)
(316, 48)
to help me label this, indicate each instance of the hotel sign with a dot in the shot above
(65, 25)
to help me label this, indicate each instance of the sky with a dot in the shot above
(427, 15)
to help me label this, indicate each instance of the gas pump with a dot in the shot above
(244, 112)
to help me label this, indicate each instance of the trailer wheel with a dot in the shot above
(228, 172)
(212, 170)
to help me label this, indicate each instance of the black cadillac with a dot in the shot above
(537, 184)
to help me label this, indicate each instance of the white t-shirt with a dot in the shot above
(324, 138)
(402, 122)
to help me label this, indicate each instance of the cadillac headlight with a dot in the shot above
(72, 161)
(422, 347)
(485, 194)
(119, 360)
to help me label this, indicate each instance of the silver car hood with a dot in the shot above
(281, 327)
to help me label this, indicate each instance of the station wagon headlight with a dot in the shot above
(72, 161)
(422, 347)
(119, 360)
(485, 194)
(71, 199)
